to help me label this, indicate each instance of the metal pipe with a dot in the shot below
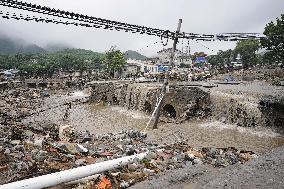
(62, 177)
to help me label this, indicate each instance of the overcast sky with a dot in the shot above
(199, 16)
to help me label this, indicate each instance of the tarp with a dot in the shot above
(200, 60)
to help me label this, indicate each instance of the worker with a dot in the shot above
(67, 113)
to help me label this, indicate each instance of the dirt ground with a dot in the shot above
(266, 171)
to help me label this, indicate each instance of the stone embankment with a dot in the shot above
(180, 102)
(247, 105)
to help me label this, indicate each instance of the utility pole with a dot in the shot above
(163, 91)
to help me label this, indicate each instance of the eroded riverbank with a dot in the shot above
(100, 119)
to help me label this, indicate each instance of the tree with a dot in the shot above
(222, 58)
(114, 61)
(198, 54)
(247, 49)
(183, 65)
(274, 41)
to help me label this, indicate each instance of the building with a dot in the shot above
(179, 57)
(237, 65)
(8, 74)
(144, 66)
(158, 64)
(130, 69)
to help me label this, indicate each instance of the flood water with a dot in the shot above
(99, 119)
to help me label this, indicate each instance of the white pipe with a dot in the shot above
(72, 174)
(93, 177)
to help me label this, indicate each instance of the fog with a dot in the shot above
(203, 16)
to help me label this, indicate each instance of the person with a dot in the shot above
(189, 77)
(67, 113)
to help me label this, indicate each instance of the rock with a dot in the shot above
(65, 147)
(151, 155)
(180, 156)
(212, 152)
(189, 157)
(15, 142)
(188, 163)
(220, 163)
(81, 148)
(148, 171)
(38, 142)
(132, 167)
(254, 156)
(197, 161)
(66, 132)
(87, 137)
(7, 151)
(232, 158)
(80, 162)
(120, 147)
(40, 156)
(124, 184)
(195, 153)
(131, 152)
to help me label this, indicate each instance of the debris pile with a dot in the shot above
(55, 148)
(18, 103)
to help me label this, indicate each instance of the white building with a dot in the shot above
(179, 57)
(147, 66)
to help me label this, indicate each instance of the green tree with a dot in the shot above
(274, 42)
(113, 61)
(182, 65)
(198, 54)
(247, 49)
(222, 58)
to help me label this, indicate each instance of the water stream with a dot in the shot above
(98, 118)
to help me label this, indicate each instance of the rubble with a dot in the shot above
(43, 155)
(30, 150)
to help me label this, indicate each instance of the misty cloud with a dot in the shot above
(204, 16)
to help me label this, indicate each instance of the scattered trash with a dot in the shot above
(104, 184)
(30, 150)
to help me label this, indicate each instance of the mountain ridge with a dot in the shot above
(130, 54)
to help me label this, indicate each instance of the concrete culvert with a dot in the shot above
(169, 111)
(147, 107)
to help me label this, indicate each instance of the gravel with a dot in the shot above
(265, 172)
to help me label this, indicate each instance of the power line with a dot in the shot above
(97, 22)
(90, 21)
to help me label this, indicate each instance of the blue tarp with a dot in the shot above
(200, 60)
(162, 68)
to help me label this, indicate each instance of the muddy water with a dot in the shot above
(200, 133)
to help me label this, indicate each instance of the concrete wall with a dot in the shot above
(185, 102)
(182, 102)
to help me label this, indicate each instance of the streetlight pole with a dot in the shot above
(163, 91)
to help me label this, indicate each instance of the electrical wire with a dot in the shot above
(90, 21)
(99, 22)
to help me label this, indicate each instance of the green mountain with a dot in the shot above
(55, 47)
(11, 46)
(79, 52)
(134, 55)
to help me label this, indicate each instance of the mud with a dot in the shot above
(99, 119)
(223, 131)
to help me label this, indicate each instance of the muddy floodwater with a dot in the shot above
(98, 119)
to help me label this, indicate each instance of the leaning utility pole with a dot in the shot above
(163, 91)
